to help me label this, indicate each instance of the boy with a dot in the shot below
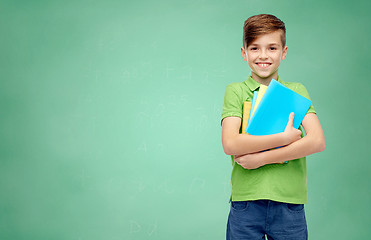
(267, 198)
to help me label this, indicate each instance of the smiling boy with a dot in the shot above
(267, 198)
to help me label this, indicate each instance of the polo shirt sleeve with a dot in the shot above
(303, 91)
(233, 104)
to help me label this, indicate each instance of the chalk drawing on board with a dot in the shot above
(201, 109)
(184, 99)
(227, 187)
(138, 187)
(145, 120)
(154, 45)
(160, 147)
(135, 227)
(143, 117)
(147, 70)
(109, 185)
(160, 108)
(205, 78)
(164, 186)
(126, 73)
(217, 110)
(220, 73)
(196, 185)
(152, 229)
(203, 122)
(83, 178)
(168, 70)
(143, 147)
(134, 73)
(126, 76)
(172, 100)
(188, 74)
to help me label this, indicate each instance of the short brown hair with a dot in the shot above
(258, 25)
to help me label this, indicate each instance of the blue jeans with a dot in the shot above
(252, 220)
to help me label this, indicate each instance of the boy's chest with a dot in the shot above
(247, 95)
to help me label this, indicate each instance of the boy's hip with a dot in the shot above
(277, 220)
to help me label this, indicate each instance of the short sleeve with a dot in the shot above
(232, 102)
(303, 91)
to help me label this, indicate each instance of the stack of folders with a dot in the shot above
(269, 111)
(271, 108)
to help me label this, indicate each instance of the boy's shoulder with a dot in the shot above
(237, 87)
(295, 86)
(249, 83)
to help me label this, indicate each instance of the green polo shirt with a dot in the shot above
(278, 182)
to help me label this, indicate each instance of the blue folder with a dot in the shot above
(253, 102)
(272, 114)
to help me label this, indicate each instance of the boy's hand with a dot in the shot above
(250, 161)
(292, 133)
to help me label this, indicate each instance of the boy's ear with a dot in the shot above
(284, 53)
(243, 54)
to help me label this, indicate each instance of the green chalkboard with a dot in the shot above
(110, 115)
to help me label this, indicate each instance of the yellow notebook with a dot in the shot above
(245, 115)
(247, 108)
(261, 92)
(248, 105)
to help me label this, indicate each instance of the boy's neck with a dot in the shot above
(264, 81)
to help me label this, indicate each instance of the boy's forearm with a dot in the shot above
(235, 143)
(306, 146)
(313, 142)
(244, 144)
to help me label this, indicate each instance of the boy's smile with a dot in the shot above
(264, 56)
(263, 64)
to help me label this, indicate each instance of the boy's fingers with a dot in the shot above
(291, 118)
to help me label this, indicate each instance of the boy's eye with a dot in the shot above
(272, 48)
(254, 48)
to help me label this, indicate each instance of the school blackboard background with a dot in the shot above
(110, 115)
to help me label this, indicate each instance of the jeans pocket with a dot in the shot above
(239, 205)
(295, 207)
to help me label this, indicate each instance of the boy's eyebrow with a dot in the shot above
(270, 44)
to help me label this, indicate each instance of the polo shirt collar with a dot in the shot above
(253, 85)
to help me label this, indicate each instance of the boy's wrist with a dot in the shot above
(269, 157)
(284, 139)
(265, 157)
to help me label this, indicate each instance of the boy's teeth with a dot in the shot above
(263, 64)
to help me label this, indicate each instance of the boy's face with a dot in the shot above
(264, 56)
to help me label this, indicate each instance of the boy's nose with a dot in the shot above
(263, 55)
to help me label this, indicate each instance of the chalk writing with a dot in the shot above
(135, 227)
(196, 185)
(152, 229)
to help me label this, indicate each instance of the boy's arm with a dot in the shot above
(313, 142)
(235, 143)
